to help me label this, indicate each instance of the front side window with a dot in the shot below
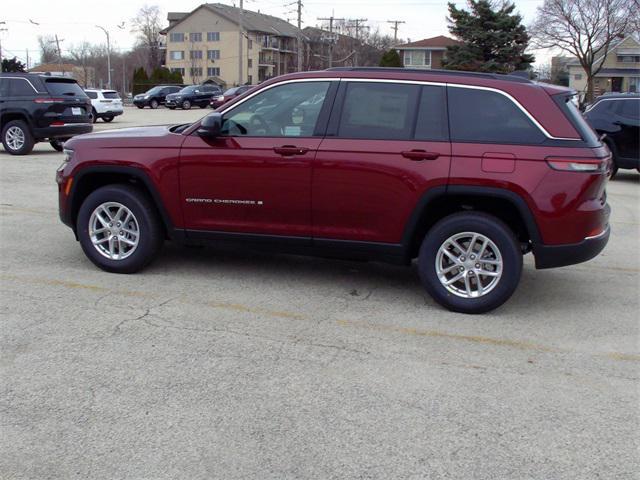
(628, 108)
(289, 110)
(378, 111)
(484, 116)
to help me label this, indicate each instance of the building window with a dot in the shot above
(250, 79)
(250, 42)
(195, 71)
(417, 58)
(213, 71)
(176, 55)
(176, 37)
(628, 59)
(213, 54)
(195, 54)
(213, 36)
(195, 37)
(178, 70)
(250, 63)
(577, 76)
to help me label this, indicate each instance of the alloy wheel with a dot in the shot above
(469, 265)
(114, 230)
(15, 138)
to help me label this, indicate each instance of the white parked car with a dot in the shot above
(106, 104)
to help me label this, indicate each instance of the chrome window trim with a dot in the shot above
(410, 82)
(595, 104)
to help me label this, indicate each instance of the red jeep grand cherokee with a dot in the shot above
(465, 172)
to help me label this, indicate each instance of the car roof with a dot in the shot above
(616, 96)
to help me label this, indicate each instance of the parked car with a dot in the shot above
(229, 95)
(106, 104)
(35, 108)
(155, 96)
(193, 95)
(617, 116)
(464, 172)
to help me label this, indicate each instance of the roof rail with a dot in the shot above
(495, 76)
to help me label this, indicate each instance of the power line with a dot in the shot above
(331, 19)
(395, 29)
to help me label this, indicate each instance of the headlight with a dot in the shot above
(220, 98)
(145, 97)
(68, 153)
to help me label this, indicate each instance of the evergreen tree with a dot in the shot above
(493, 40)
(391, 58)
(140, 81)
(13, 65)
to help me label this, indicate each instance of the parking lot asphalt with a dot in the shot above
(239, 365)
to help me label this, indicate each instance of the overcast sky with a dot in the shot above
(74, 20)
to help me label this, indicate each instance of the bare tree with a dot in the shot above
(585, 29)
(81, 55)
(147, 25)
(48, 51)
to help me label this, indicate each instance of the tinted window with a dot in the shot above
(20, 87)
(110, 95)
(378, 111)
(231, 91)
(285, 111)
(61, 87)
(92, 94)
(628, 108)
(4, 87)
(432, 115)
(483, 116)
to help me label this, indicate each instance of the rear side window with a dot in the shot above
(378, 111)
(628, 108)
(110, 95)
(432, 122)
(483, 116)
(61, 87)
(20, 87)
(93, 95)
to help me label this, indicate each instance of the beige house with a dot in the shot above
(204, 45)
(427, 53)
(620, 70)
(86, 76)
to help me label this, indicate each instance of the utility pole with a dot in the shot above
(108, 55)
(356, 25)
(331, 19)
(395, 29)
(2, 30)
(299, 35)
(240, 33)
(57, 41)
(124, 77)
(27, 59)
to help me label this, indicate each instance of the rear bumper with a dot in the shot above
(110, 113)
(551, 256)
(63, 131)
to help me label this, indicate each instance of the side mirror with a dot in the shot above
(211, 125)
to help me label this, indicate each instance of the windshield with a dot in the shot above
(231, 91)
(190, 89)
(153, 91)
(64, 87)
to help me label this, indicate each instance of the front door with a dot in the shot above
(256, 177)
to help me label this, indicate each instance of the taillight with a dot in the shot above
(50, 100)
(584, 165)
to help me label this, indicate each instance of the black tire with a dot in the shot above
(57, 144)
(171, 108)
(153, 104)
(94, 115)
(203, 105)
(151, 235)
(492, 228)
(186, 105)
(107, 118)
(614, 164)
(28, 142)
(140, 106)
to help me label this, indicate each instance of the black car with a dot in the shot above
(199, 95)
(37, 107)
(618, 118)
(155, 96)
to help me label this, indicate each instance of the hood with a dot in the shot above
(130, 136)
(171, 96)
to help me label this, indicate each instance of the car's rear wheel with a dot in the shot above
(140, 106)
(470, 262)
(153, 104)
(119, 229)
(107, 118)
(94, 115)
(17, 138)
(186, 105)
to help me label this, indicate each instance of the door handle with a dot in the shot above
(290, 150)
(418, 155)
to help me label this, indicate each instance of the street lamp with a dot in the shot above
(108, 55)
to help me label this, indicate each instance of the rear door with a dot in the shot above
(387, 143)
(627, 119)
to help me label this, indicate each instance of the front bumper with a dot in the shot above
(552, 256)
(140, 102)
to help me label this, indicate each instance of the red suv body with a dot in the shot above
(466, 172)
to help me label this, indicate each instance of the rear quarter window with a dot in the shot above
(92, 95)
(484, 116)
(20, 87)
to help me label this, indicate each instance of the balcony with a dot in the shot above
(266, 60)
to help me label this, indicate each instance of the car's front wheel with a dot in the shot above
(153, 104)
(186, 105)
(470, 262)
(17, 138)
(119, 229)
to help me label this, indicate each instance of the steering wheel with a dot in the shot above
(258, 124)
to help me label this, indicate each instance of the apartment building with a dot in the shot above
(204, 45)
